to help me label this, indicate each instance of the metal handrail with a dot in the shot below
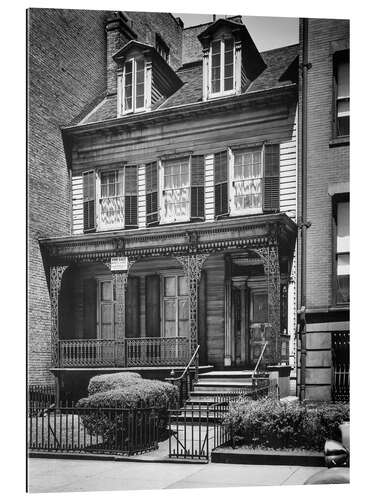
(259, 359)
(175, 379)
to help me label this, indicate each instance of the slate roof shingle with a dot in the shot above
(277, 61)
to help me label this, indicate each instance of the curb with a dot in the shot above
(270, 458)
(113, 458)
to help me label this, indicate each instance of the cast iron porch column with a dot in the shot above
(270, 257)
(56, 274)
(192, 265)
(120, 282)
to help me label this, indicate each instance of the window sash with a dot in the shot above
(176, 189)
(175, 306)
(342, 253)
(342, 95)
(112, 199)
(221, 67)
(134, 90)
(247, 174)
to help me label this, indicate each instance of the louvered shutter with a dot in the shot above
(88, 181)
(197, 187)
(152, 212)
(89, 308)
(131, 197)
(271, 201)
(221, 183)
(153, 305)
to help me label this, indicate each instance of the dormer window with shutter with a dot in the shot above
(247, 180)
(231, 61)
(110, 199)
(144, 78)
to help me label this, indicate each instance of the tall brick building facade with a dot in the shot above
(323, 264)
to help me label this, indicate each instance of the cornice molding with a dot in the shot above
(172, 240)
(183, 112)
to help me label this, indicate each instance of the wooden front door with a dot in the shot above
(240, 325)
(106, 318)
(259, 326)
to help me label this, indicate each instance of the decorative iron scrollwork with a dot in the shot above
(270, 258)
(56, 274)
(192, 265)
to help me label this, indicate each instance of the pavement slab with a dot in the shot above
(60, 475)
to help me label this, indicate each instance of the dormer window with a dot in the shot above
(144, 77)
(231, 60)
(222, 67)
(134, 86)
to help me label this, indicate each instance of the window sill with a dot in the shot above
(339, 141)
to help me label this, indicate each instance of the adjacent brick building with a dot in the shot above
(323, 265)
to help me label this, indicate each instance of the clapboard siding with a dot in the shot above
(77, 202)
(288, 176)
(142, 196)
(214, 268)
(209, 187)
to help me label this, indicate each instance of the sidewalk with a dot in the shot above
(52, 475)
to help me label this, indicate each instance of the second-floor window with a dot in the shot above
(134, 86)
(221, 67)
(110, 199)
(342, 95)
(247, 181)
(175, 179)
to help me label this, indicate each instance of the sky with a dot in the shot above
(267, 32)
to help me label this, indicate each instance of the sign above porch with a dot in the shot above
(119, 264)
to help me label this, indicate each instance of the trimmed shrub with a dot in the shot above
(110, 381)
(144, 393)
(272, 424)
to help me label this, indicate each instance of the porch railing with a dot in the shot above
(131, 352)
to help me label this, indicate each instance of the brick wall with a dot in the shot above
(146, 24)
(66, 71)
(326, 165)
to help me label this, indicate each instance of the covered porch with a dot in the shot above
(148, 298)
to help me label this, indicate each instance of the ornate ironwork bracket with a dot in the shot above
(192, 265)
(270, 258)
(56, 274)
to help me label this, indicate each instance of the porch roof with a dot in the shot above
(176, 239)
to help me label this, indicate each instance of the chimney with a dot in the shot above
(119, 33)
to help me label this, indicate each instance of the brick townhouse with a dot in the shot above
(323, 207)
(180, 203)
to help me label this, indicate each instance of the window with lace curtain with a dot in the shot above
(110, 199)
(175, 178)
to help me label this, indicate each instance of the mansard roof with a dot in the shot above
(273, 76)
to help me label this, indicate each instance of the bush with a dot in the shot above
(270, 423)
(143, 393)
(102, 383)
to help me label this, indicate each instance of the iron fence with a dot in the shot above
(40, 397)
(340, 366)
(197, 428)
(119, 430)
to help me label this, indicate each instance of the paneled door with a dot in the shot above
(106, 318)
(259, 326)
(175, 309)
